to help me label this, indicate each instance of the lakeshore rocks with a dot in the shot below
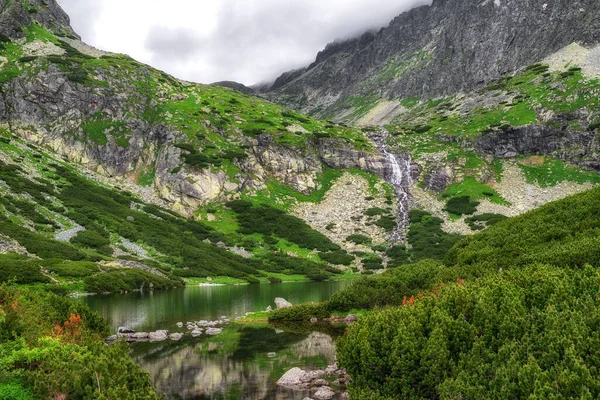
(280, 302)
(158, 336)
(298, 379)
(324, 393)
(350, 319)
(123, 329)
(175, 336)
(213, 331)
(292, 378)
(196, 332)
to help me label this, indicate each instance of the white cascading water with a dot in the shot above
(397, 172)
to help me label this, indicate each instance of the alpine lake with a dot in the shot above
(244, 361)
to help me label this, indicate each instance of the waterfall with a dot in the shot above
(397, 172)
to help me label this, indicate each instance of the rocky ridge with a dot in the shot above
(438, 50)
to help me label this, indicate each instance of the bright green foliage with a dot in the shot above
(528, 333)
(268, 221)
(52, 347)
(553, 171)
(20, 270)
(563, 233)
(475, 190)
(389, 288)
(301, 312)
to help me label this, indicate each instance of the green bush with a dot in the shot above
(391, 287)
(269, 221)
(513, 335)
(359, 239)
(480, 222)
(72, 269)
(338, 257)
(126, 280)
(461, 206)
(20, 270)
(302, 312)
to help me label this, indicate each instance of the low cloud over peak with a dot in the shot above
(247, 41)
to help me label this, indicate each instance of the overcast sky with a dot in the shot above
(248, 41)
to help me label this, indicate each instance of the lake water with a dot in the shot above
(234, 364)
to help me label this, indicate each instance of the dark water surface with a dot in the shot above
(234, 364)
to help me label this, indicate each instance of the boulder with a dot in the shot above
(324, 393)
(271, 354)
(158, 336)
(123, 329)
(196, 332)
(175, 336)
(292, 378)
(280, 302)
(314, 320)
(213, 331)
(320, 382)
(140, 336)
(350, 319)
(180, 324)
(309, 376)
(269, 309)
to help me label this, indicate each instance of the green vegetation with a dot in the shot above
(482, 221)
(552, 171)
(125, 280)
(62, 354)
(527, 333)
(462, 205)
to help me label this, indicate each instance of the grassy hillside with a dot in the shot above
(120, 242)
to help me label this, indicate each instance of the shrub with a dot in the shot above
(461, 205)
(20, 270)
(513, 335)
(338, 257)
(358, 239)
(128, 279)
(302, 312)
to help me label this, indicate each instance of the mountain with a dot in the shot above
(268, 190)
(435, 51)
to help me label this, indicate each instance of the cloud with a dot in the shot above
(243, 40)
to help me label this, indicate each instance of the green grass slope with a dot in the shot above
(126, 244)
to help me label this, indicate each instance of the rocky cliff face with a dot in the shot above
(438, 50)
(14, 15)
(192, 144)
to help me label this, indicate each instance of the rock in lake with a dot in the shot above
(292, 378)
(123, 329)
(213, 331)
(175, 336)
(196, 332)
(280, 302)
(324, 393)
(158, 336)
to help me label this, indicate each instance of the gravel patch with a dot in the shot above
(66, 236)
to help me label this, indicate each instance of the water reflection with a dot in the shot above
(163, 309)
(233, 365)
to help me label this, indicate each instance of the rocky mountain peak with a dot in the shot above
(439, 50)
(17, 14)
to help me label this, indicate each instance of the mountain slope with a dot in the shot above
(438, 50)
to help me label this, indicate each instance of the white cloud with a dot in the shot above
(211, 40)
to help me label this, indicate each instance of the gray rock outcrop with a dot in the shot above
(438, 50)
(282, 303)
